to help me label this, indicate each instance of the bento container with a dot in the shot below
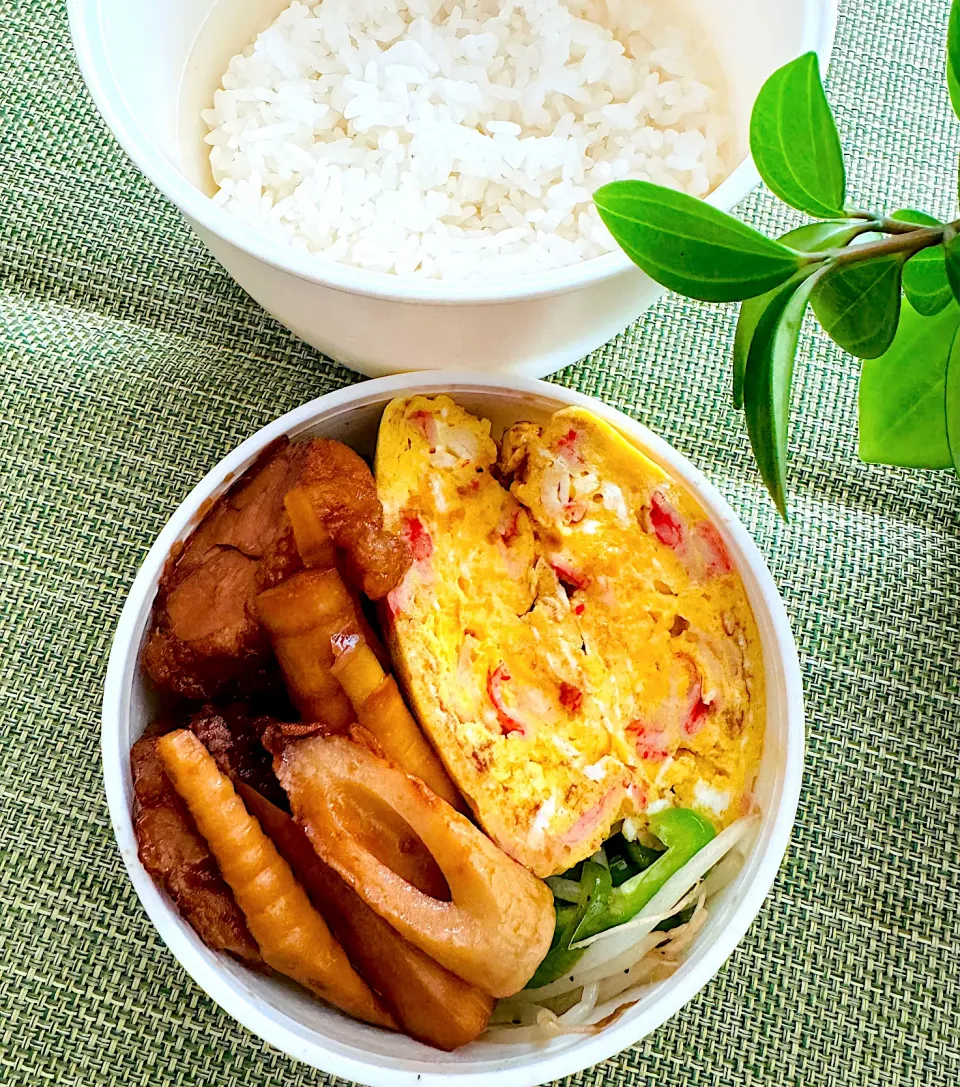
(285, 1016)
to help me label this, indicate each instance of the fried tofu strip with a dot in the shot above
(177, 857)
(377, 826)
(429, 1002)
(499, 923)
(385, 834)
(293, 937)
(302, 616)
(380, 709)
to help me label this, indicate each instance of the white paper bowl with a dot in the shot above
(152, 65)
(285, 1016)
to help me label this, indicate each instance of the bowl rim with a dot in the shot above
(202, 965)
(86, 26)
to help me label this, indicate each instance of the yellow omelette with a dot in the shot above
(572, 634)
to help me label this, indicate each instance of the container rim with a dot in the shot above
(214, 976)
(86, 25)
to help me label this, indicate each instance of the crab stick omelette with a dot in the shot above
(572, 632)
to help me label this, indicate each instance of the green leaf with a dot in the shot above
(809, 238)
(953, 56)
(951, 253)
(918, 218)
(925, 281)
(902, 393)
(751, 310)
(768, 380)
(859, 304)
(794, 140)
(691, 247)
(952, 402)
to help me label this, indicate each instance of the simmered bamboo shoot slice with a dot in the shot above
(302, 616)
(292, 936)
(313, 542)
(381, 710)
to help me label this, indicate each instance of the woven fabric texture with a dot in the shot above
(131, 363)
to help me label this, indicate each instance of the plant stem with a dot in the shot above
(909, 241)
(898, 226)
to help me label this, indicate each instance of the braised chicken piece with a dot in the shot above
(179, 860)
(205, 642)
(233, 738)
(343, 494)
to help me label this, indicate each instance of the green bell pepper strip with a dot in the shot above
(595, 890)
(626, 859)
(641, 855)
(684, 833)
(622, 867)
(604, 906)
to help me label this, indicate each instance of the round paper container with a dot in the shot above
(285, 1016)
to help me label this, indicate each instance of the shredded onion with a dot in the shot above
(648, 970)
(723, 873)
(608, 958)
(580, 1012)
(658, 964)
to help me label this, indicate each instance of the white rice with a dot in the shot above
(460, 139)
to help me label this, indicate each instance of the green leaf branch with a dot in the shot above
(884, 287)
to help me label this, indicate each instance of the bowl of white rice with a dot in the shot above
(407, 184)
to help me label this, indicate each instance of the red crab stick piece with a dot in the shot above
(509, 721)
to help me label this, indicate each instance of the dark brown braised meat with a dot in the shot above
(176, 856)
(233, 738)
(205, 642)
(277, 735)
(343, 494)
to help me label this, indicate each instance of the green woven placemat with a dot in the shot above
(130, 364)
